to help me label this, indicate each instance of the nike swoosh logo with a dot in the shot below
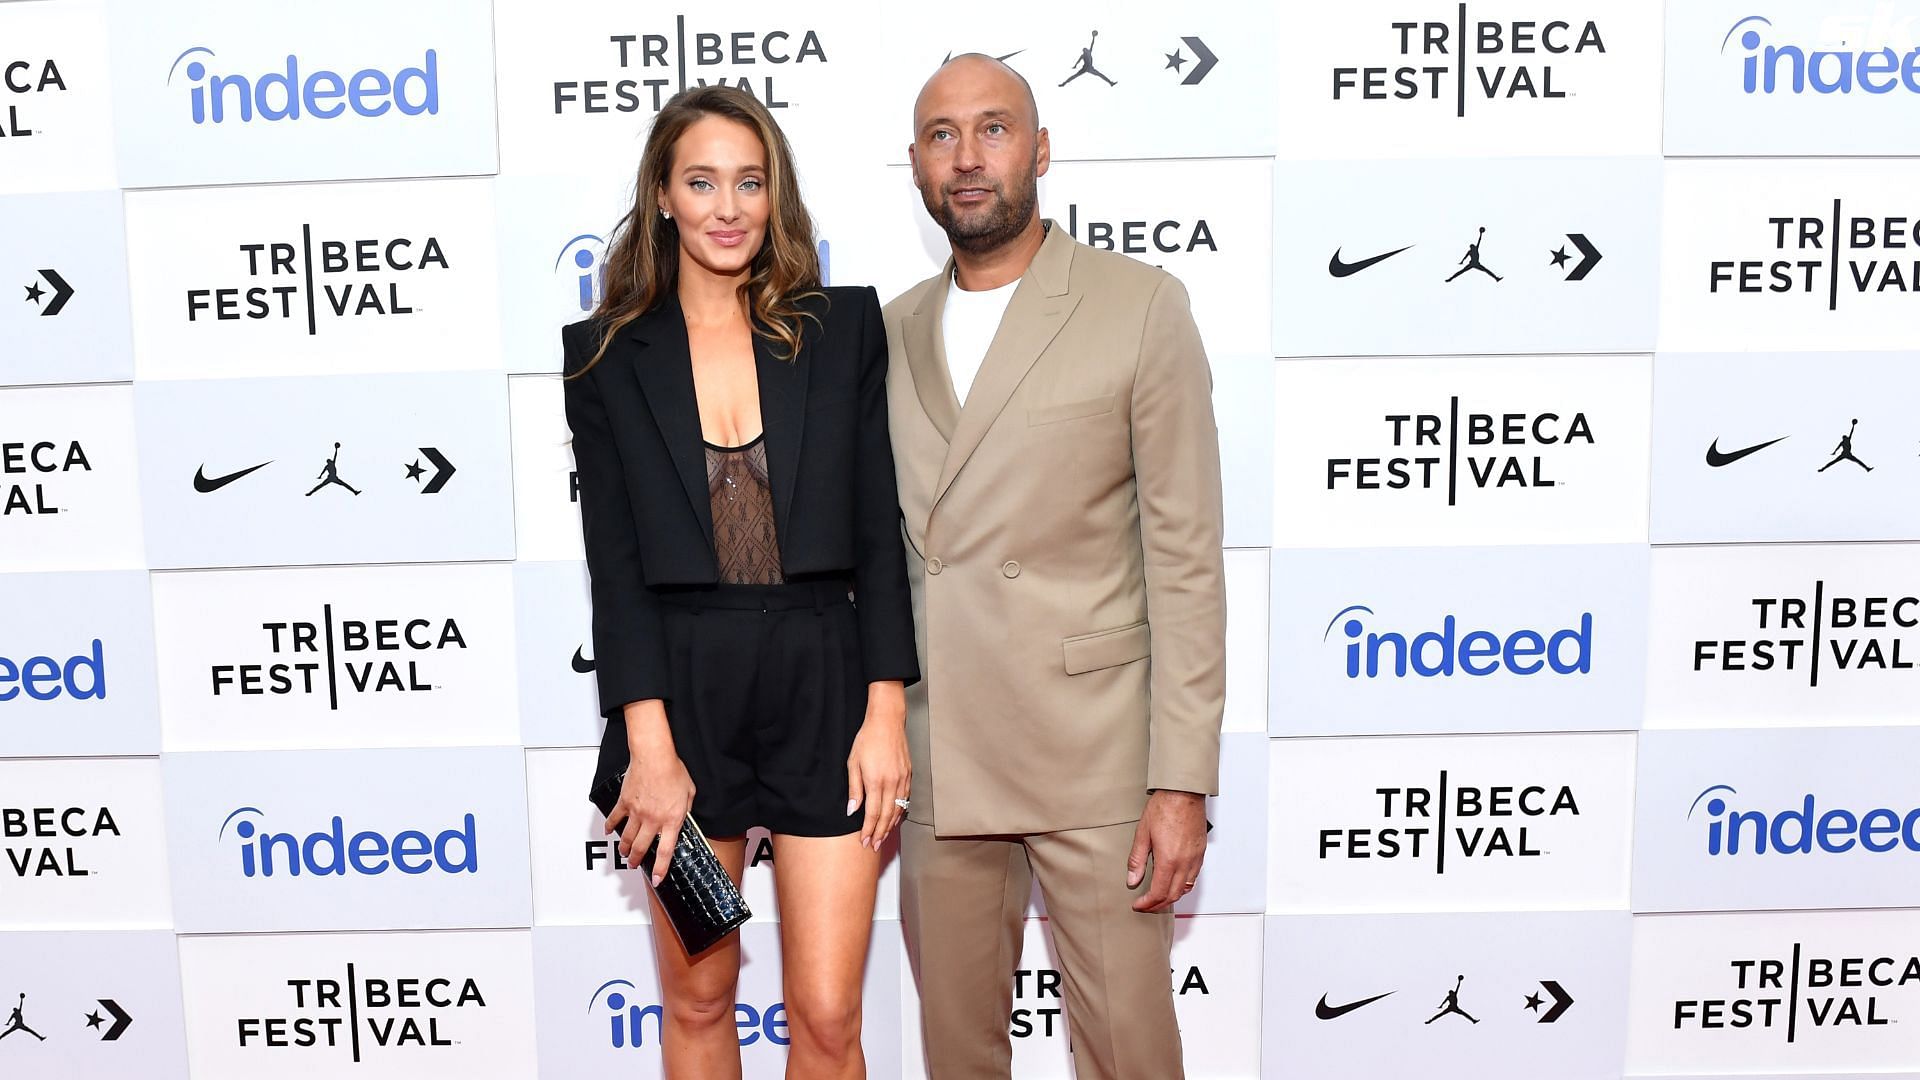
(580, 663)
(1344, 269)
(205, 486)
(1333, 1012)
(1716, 459)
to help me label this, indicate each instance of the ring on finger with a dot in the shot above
(903, 803)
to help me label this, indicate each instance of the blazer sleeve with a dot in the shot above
(629, 646)
(884, 608)
(1176, 452)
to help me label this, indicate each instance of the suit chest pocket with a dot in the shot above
(1041, 415)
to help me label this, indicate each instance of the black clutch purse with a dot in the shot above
(701, 901)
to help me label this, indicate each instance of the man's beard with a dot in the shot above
(994, 225)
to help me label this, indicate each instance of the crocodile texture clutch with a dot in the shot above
(702, 903)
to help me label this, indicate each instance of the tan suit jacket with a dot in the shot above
(1064, 553)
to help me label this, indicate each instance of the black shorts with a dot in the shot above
(767, 698)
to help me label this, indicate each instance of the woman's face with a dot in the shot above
(718, 195)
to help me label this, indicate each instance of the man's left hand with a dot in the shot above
(1173, 831)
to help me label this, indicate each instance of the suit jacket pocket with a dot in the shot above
(1105, 648)
(1072, 410)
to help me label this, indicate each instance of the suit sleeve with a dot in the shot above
(880, 562)
(1176, 459)
(629, 646)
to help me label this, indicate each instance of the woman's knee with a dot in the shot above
(824, 1019)
(699, 1004)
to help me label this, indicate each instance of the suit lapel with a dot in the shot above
(783, 399)
(1039, 308)
(927, 357)
(663, 367)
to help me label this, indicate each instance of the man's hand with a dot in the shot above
(1173, 830)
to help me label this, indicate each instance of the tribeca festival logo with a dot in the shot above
(1039, 1010)
(356, 278)
(1471, 60)
(1142, 237)
(1466, 821)
(361, 1014)
(629, 1022)
(1502, 450)
(291, 95)
(1803, 828)
(47, 841)
(337, 655)
(1852, 53)
(18, 78)
(1803, 637)
(1444, 652)
(81, 677)
(655, 66)
(27, 468)
(1781, 995)
(1825, 256)
(330, 851)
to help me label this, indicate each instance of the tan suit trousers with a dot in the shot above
(964, 900)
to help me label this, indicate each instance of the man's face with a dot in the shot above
(976, 154)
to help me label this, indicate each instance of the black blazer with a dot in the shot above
(644, 504)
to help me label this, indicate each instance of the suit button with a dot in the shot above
(934, 566)
(1010, 568)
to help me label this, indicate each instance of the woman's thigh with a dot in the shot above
(826, 890)
(714, 972)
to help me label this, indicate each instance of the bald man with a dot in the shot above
(1059, 478)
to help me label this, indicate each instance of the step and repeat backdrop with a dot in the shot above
(1563, 355)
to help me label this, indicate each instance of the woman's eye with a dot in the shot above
(698, 184)
(750, 185)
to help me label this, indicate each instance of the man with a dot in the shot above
(1059, 476)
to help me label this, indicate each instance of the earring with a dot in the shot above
(664, 215)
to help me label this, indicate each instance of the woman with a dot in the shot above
(736, 482)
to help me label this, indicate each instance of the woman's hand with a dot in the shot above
(657, 792)
(879, 770)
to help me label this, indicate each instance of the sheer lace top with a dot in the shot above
(744, 545)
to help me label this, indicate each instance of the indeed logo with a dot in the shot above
(1442, 652)
(43, 678)
(331, 851)
(1801, 829)
(323, 95)
(627, 1020)
(1792, 69)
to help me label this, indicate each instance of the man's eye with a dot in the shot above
(996, 129)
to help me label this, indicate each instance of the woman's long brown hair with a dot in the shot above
(643, 261)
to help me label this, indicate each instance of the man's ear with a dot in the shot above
(913, 165)
(1042, 153)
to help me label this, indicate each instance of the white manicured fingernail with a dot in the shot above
(852, 805)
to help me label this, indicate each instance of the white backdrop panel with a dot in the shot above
(1416, 79)
(56, 115)
(1803, 818)
(348, 839)
(1832, 78)
(1781, 254)
(78, 670)
(1494, 450)
(1808, 993)
(1778, 635)
(208, 92)
(347, 470)
(82, 845)
(443, 1006)
(106, 1006)
(69, 486)
(317, 279)
(69, 251)
(1373, 258)
(1450, 823)
(1841, 422)
(559, 700)
(1362, 997)
(1412, 640)
(336, 658)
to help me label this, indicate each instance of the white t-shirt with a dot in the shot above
(968, 325)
